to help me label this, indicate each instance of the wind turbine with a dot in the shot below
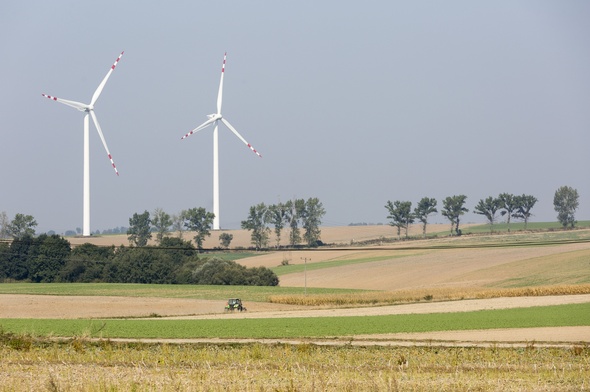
(214, 119)
(88, 109)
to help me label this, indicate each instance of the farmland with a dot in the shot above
(481, 312)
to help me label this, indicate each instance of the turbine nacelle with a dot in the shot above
(214, 116)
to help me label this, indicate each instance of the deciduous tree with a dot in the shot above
(425, 207)
(400, 214)
(4, 224)
(256, 223)
(488, 208)
(225, 239)
(139, 232)
(453, 209)
(200, 221)
(566, 202)
(278, 216)
(161, 222)
(524, 205)
(312, 219)
(295, 210)
(508, 204)
(22, 225)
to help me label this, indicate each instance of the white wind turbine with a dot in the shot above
(215, 118)
(88, 109)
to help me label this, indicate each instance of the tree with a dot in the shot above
(278, 216)
(295, 209)
(51, 256)
(256, 222)
(312, 219)
(4, 224)
(453, 208)
(22, 250)
(199, 221)
(524, 205)
(508, 204)
(178, 223)
(161, 222)
(22, 225)
(225, 239)
(138, 232)
(400, 213)
(566, 202)
(425, 207)
(488, 208)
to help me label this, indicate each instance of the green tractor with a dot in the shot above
(234, 304)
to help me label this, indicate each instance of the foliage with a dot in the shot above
(50, 258)
(488, 208)
(278, 216)
(425, 207)
(256, 223)
(21, 226)
(524, 205)
(225, 272)
(178, 223)
(161, 223)
(295, 210)
(566, 202)
(199, 221)
(400, 214)
(4, 223)
(312, 219)
(139, 229)
(453, 209)
(509, 205)
(225, 239)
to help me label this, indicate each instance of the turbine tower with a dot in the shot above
(214, 119)
(88, 109)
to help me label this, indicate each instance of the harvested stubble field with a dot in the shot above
(491, 360)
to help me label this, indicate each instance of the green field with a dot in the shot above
(316, 327)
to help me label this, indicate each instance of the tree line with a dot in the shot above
(51, 258)
(295, 214)
(401, 215)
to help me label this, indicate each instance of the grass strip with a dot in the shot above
(318, 327)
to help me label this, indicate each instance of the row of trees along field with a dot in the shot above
(296, 214)
(401, 215)
(51, 258)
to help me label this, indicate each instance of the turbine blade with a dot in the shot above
(197, 129)
(104, 81)
(240, 136)
(220, 93)
(77, 105)
(104, 143)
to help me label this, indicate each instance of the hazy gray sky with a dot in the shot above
(355, 103)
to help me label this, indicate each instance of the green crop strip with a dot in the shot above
(300, 267)
(545, 316)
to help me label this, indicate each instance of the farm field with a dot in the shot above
(498, 313)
